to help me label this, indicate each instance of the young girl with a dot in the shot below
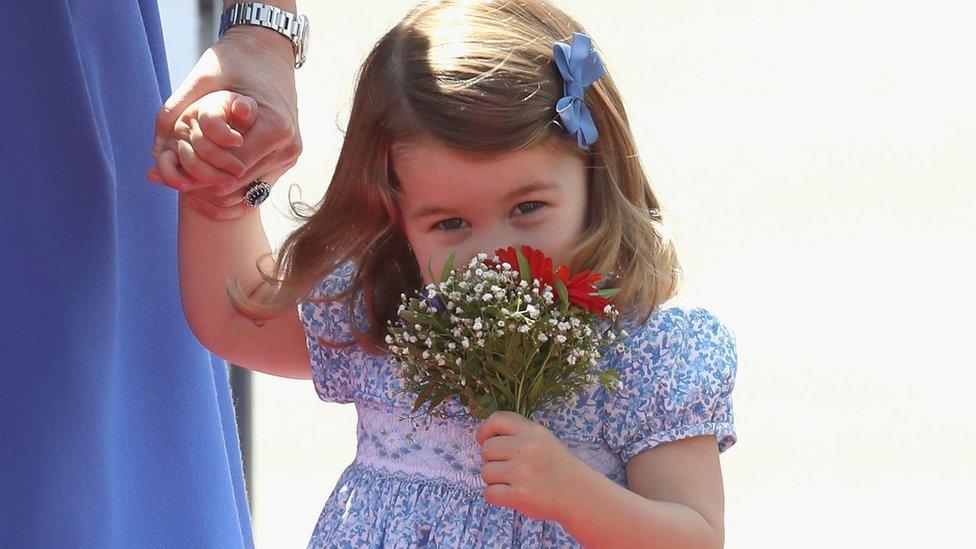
(470, 130)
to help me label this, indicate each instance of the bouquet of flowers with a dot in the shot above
(505, 333)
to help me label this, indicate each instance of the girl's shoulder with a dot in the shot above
(678, 326)
(330, 317)
(677, 373)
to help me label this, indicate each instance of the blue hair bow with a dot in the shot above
(580, 66)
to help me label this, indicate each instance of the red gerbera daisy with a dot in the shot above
(579, 287)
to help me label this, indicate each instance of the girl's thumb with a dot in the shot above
(244, 110)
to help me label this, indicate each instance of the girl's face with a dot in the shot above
(454, 203)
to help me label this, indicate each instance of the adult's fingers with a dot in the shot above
(214, 212)
(203, 78)
(207, 194)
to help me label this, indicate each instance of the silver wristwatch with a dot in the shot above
(292, 27)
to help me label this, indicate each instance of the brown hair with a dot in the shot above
(479, 77)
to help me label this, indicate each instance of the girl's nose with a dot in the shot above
(490, 242)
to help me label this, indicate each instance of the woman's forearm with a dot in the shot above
(210, 252)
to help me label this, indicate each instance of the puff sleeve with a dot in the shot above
(333, 370)
(678, 370)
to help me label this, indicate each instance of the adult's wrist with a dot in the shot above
(265, 37)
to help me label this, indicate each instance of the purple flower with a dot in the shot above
(437, 303)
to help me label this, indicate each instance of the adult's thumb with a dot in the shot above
(194, 86)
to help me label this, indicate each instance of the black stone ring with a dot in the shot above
(257, 192)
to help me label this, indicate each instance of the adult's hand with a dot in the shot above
(255, 62)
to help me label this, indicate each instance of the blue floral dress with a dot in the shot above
(414, 487)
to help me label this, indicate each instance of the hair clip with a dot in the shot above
(579, 66)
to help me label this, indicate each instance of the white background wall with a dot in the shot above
(819, 158)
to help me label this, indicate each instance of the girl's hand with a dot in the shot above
(256, 64)
(199, 152)
(526, 466)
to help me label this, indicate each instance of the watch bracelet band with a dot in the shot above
(265, 15)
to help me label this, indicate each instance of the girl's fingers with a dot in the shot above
(168, 169)
(200, 170)
(216, 156)
(244, 110)
(216, 129)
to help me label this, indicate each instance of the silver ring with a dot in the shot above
(257, 192)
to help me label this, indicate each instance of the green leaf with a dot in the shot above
(503, 367)
(563, 293)
(448, 267)
(609, 292)
(535, 390)
(523, 265)
(440, 396)
(502, 387)
(422, 396)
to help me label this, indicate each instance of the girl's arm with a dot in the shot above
(210, 252)
(675, 500)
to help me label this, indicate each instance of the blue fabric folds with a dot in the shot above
(116, 425)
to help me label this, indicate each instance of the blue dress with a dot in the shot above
(410, 487)
(116, 425)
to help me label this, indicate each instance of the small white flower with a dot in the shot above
(501, 323)
(561, 338)
(465, 343)
(425, 354)
(487, 297)
(543, 337)
(523, 328)
(388, 338)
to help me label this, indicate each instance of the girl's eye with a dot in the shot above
(456, 223)
(529, 207)
(451, 224)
